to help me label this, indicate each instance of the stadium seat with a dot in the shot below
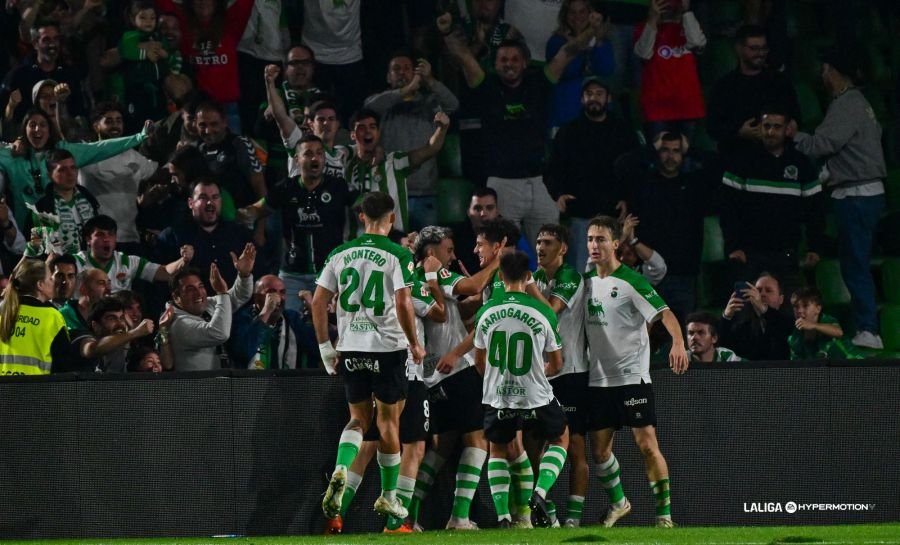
(890, 280)
(717, 60)
(890, 327)
(831, 283)
(450, 158)
(713, 241)
(453, 196)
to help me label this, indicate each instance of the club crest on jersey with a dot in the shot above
(615, 292)
(791, 172)
(410, 267)
(326, 197)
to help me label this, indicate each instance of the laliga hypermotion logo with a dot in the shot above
(791, 507)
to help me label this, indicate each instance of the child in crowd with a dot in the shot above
(148, 59)
(818, 335)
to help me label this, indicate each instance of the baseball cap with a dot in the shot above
(844, 60)
(595, 80)
(38, 86)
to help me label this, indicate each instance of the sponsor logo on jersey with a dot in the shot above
(511, 390)
(509, 414)
(362, 325)
(444, 273)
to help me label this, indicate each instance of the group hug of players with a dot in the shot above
(552, 357)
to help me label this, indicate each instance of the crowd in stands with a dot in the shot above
(174, 173)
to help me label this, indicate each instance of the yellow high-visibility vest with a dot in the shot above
(28, 350)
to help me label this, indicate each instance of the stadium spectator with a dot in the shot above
(210, 32)
(620, 305)
(567, 98)
(58, 217)
(144, 359)
(48, 96)
(703, 339)
(265, 334)
(46, 63)
(133, 307)
(214, 240)
(849, 140)
(374, 365)
(580, 175)
(671, 205)
(115, 181)
(671, 97)
(93, 285)
(148, 60)
(33, 335)
(100, 236)
(624, 16)
(232, 160)
(179, 129)
(407, 113)
(537, 20)
(638, 255)
(817, 335)
(753, 324)
(333, 32)
(313, 213)
(162, 198)
(512, 104)
(485, 29)
(202, 324)
(294, 95)
(13, 242)
(25, 167)
(64, 271)
(738, 97)
(265, 40)
(771, 192)
(106, 344)
(368, 171)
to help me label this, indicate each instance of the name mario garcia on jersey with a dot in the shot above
(533, 323)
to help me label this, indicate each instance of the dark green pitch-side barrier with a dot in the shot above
(248, 453)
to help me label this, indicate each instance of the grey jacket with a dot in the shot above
(849, 140)
(194, 340)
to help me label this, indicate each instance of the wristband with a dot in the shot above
(429, 276)
(329, 357)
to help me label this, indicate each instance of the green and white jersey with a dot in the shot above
(122, 269)
(722, 354)
(364, 273)
(495, 288)
(336, 158)
(567, 285)
(423, 302)
(388, 176)
(516, 330)
(618, 309)
(441, 338)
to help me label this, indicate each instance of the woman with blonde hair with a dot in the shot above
(33, 335)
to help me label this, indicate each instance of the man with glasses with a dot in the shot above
(736, 99)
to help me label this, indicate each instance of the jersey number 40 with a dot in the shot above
(512, 353)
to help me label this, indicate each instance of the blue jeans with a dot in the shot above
(293, 283)
(856, 220)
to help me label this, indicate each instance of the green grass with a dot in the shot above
(863, 534)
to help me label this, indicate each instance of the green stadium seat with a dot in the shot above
(717, 60)
(890, 280)
(831, 283)
(890, 327)
(453, 196)
(811, 113)
(450, 158)
(713, 241)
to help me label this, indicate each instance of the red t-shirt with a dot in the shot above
(215, 65)
(670, 85)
